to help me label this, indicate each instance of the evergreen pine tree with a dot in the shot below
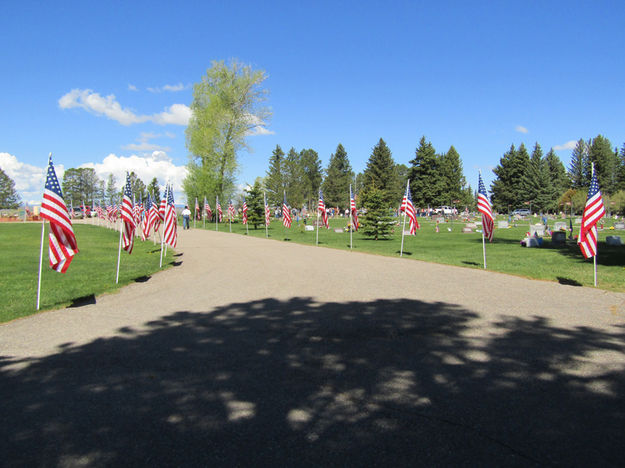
(275, 180)
(507, 188)
(577, 166)
(376, 222)
(294, 178)
(621, 170)
(338, 177)
(311, 178)
(255, 206)
(426, 181)
(111, 191)
(9, 198)
(537, 183)
(601, 154)
(560, 182)
(381, 172)
(453, 177)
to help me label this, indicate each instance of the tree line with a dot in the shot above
(542, 183)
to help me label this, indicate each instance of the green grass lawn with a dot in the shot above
(564, 264)
(92, 271)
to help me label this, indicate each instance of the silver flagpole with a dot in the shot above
(483, 245)
(43, 227)
(265, 213)
(351, 220)
(403, 228)
(119, 251)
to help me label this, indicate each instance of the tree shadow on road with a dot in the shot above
(296, 382)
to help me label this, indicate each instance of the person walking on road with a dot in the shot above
(186, 213)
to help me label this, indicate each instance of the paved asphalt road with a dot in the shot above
(252, 352)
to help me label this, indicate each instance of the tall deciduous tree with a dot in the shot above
(80, 185)
(339, 175)
(275, 181)
(227, 107)
(111, 195)
(9, 198)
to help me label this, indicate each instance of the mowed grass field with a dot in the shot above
(92, 271)
(564, 264)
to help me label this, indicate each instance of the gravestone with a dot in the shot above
(558, 237)
(503, 225)
(613, 240)
(310, 228)
(471, 225)
(532, 242)
(467, 229)
(619, 225)
(339, 230)
(578, 220)
(537, 229)
(559, 226)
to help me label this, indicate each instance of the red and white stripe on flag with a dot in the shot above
(483, 206)
(593, 212)
(128, 219)
(286, 215)
(62, 241)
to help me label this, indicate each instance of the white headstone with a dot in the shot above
(310, 228)
(619, 225)
(538, 229)
(503, 225)
(559, 226)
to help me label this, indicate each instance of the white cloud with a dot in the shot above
(132, 87)
(145, 145)
(157, 164)
(29, 179)
(171, 88)
(176, 114)
(569, 145)
(520, 129)
(258, 126)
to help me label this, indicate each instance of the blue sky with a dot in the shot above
(107, 84)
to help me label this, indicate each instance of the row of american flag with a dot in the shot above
(148, 218)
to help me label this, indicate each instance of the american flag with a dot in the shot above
(352, 209)
(267, 211)
(198, 213)
(154, 216)
(171, 219)
(286, 214)
(163, 206)
(408, 208)
(128, 219)
(593, 212)
(219, 212)
(483, 206)
(244, 211)
(62, 241)
(100, 210)
(146, 225)
(321, 208)
(231, 211)
(207, 208)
